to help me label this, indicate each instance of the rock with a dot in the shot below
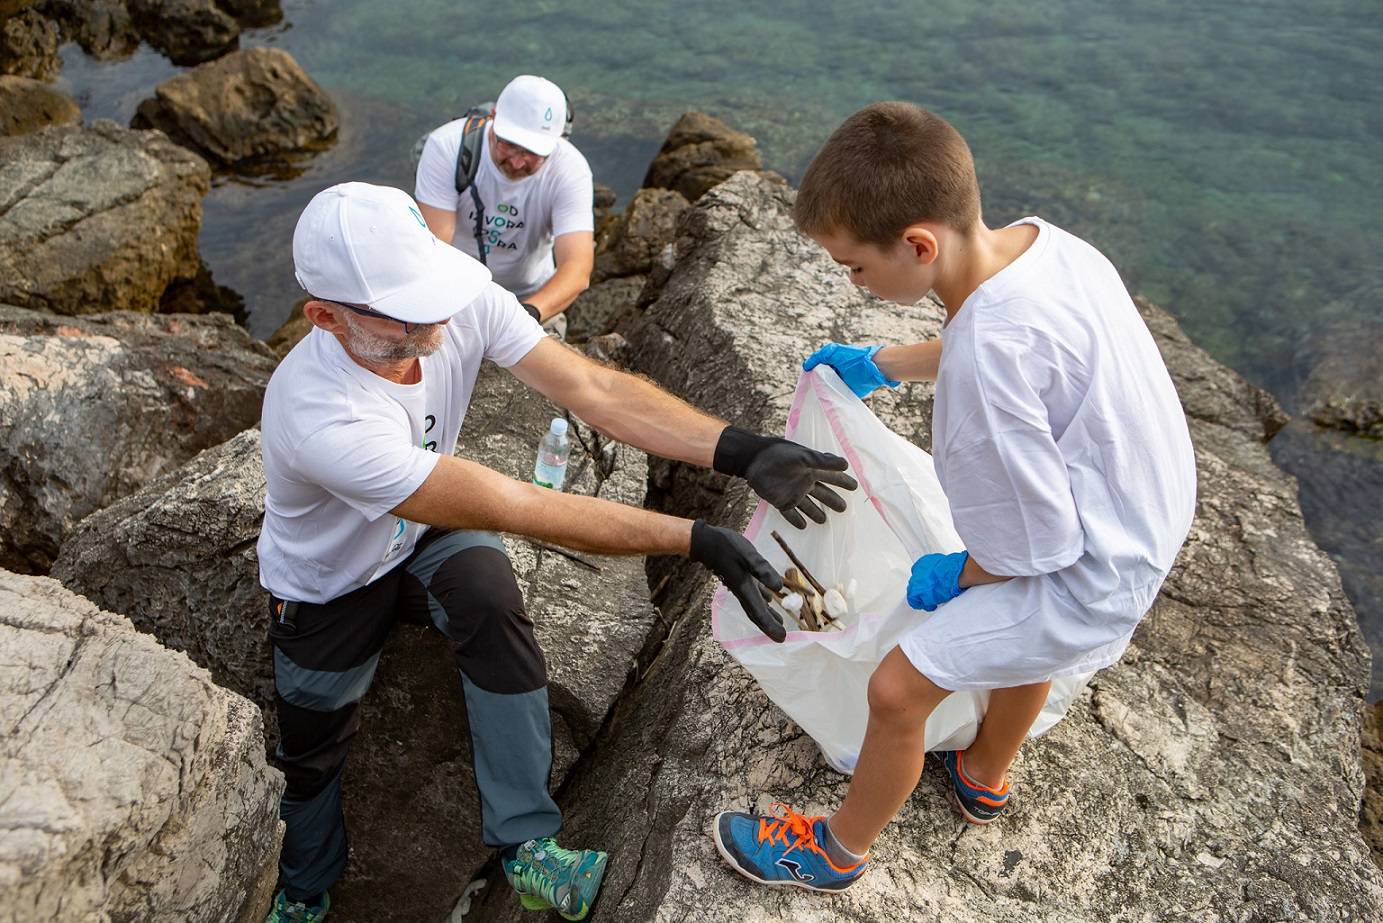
(700, 152)
(135, 788)
(102, 27)
(603, 307)
(1344, 387)
(92, 409)
(297, 326)
(610, 349)
(27, 105)
(10, 8)
(603, 206)
(1208, 394)
(97, 219)
(632, 244)
(179, 558)
(187, 31)
(1371, 811)
(249, 106)
(29, 46)
(1212, 775)
(253, 13)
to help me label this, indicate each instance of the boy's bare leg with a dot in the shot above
(900, 699)
(1007, 720)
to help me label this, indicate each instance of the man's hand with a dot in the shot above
(792, 477)
(854, 364)
(733, 559)
(936, 579)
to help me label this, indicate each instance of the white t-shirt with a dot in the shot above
(522, 217)
(343, 446)
(1064, 454)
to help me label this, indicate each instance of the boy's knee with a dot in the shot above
(898, 690)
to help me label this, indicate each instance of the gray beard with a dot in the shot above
(424, 340)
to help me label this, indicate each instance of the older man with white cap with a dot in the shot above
(370, 517)
(521, 202)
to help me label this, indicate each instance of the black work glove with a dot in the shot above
(784, 473)
(730, 557)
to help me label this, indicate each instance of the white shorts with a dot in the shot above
(1025, 630)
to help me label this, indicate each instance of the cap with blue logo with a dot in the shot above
(368, 245)
(532, 113)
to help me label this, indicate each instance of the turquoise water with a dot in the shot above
(1225, 155)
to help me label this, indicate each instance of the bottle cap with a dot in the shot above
(559, 426)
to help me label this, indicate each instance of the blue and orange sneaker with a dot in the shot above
(781, 849)
(980, 804)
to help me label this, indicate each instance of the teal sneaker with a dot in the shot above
(286, 911)
(545, 876)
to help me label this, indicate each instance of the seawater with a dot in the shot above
(1223, 154)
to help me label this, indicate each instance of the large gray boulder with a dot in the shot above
(1214, 774)
(27, 105)
(134, 788)
(179, 559)
(94, 408)
(97, 219)
(249, 106)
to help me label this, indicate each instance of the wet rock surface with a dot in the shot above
(1344, 388)
(700, 152)
(1213, 774)
(179, 559)
(97, 219)
(94, 408)
(102, 28)
(186, 31)
(27, 105)
(248, 108)
(134, 787)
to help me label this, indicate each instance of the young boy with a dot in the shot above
(1058, 439)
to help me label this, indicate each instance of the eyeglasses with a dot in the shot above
(366, 311)
(508, 150)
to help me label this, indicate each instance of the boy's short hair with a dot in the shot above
(888, 166)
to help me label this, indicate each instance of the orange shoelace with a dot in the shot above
(777, 827)
(793, 830)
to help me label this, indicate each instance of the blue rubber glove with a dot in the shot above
(854, 364)
(936, 579)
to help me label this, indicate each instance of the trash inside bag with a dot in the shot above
(820, 679)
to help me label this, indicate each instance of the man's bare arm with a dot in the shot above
(461, 494)
(624, 407)
(918, 362)
(440, 221)
(574, 254)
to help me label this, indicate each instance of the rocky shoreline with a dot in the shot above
(1214, 774)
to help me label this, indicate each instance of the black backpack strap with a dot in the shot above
(468, 165)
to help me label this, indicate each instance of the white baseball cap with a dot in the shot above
(532, 113)
(368, 245)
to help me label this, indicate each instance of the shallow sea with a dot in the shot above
(1225, 155)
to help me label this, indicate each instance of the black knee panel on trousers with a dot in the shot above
(475, 601)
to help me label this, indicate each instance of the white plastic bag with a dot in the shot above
(821, 678)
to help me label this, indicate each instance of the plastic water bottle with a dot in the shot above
(551, 467)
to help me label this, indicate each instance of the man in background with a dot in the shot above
(523, 205)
